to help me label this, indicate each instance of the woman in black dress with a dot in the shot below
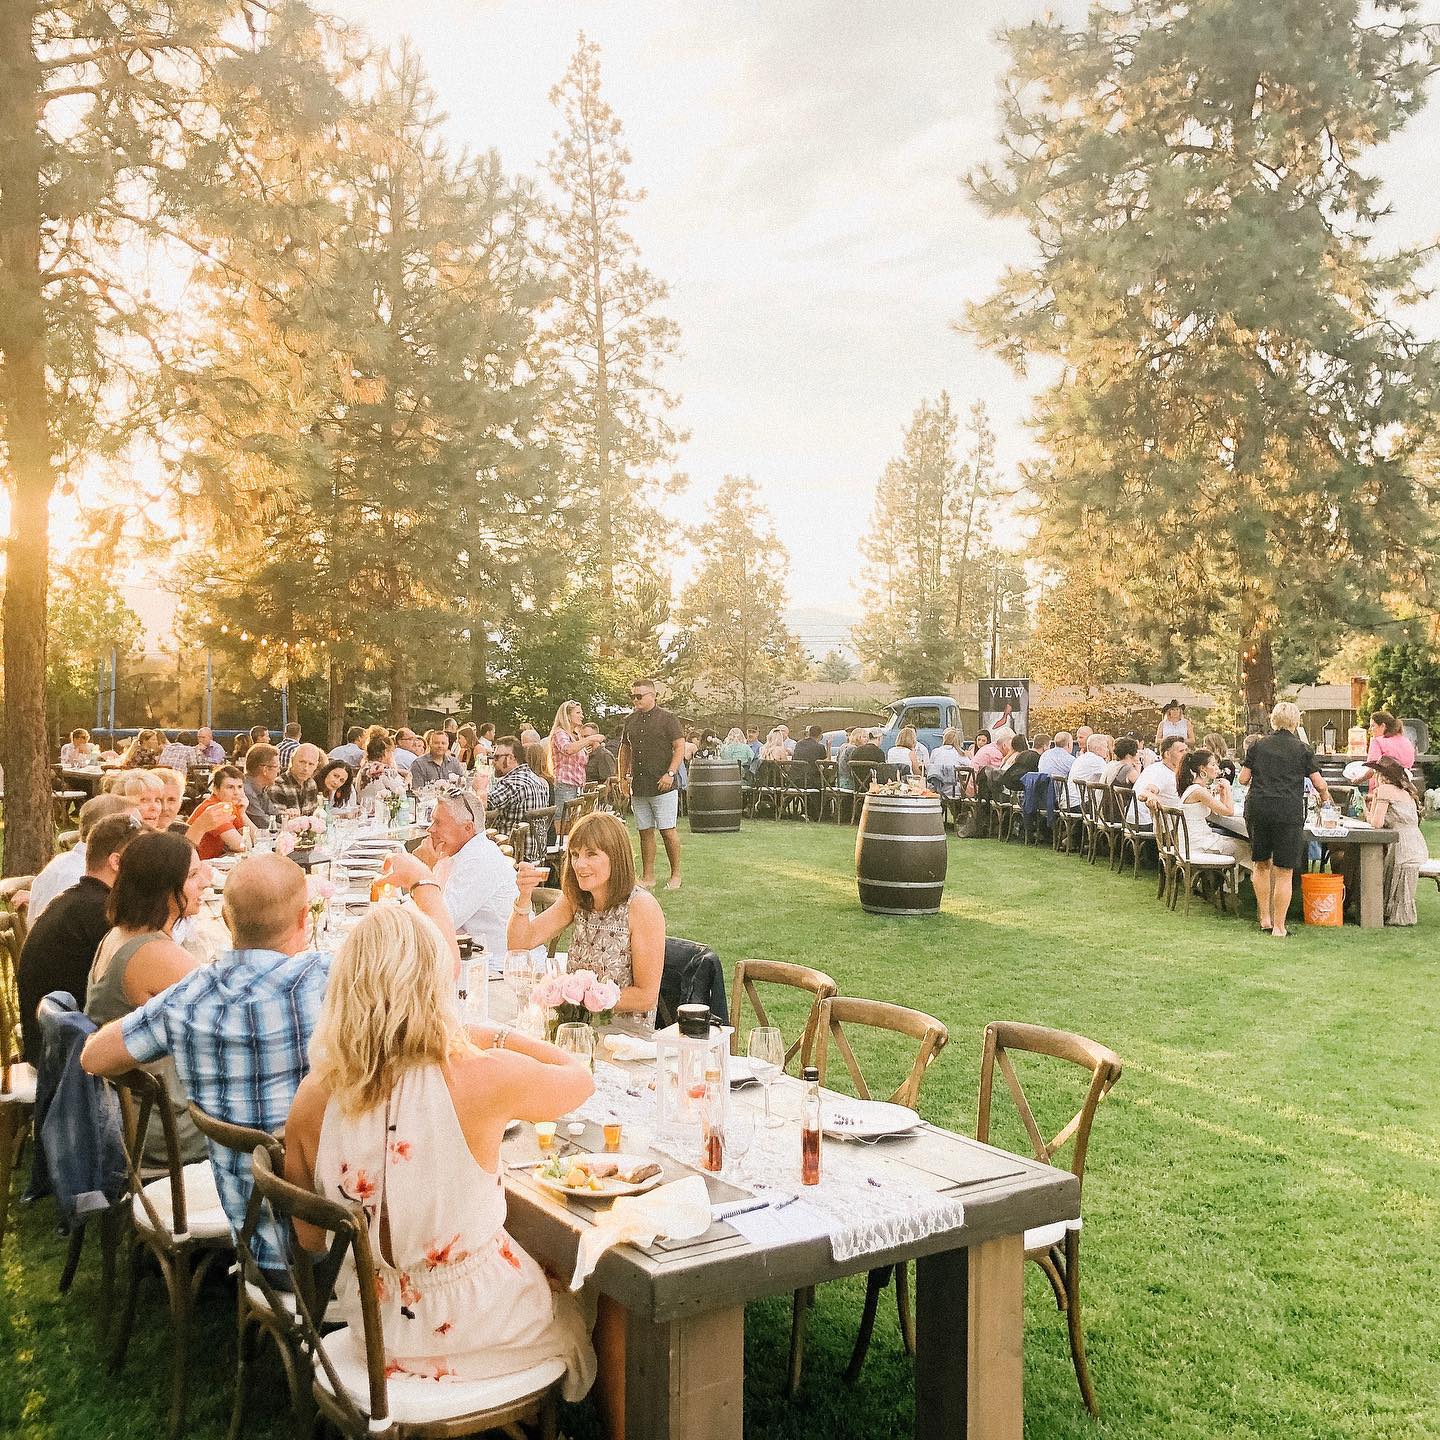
(1276, 768)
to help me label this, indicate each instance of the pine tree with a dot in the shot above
(736, 645)
(1234, 425)
(612, 337)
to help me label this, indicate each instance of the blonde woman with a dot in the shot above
(146, 789)
(403, 1113)
(568, 751)
(1276, 768)
(907, 754)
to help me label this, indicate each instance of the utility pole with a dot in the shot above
(994, 620)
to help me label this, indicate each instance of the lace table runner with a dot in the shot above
(866, 1201)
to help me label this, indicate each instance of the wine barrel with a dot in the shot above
(900, 855)
(714, 797)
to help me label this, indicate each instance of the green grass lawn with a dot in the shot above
(1262, 1208)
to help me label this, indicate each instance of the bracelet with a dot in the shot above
(502, 1034)
(421, 884)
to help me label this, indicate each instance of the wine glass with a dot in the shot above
(767, 1056)
(339, 889)
(739, 1135)
(520, 975)
(577, 1038)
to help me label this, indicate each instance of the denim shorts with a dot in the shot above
(656, 812)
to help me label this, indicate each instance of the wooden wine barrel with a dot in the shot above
(900, 855)
(714, 797)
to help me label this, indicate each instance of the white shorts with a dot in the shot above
(656, 812)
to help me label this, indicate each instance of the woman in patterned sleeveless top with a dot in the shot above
(619, 927)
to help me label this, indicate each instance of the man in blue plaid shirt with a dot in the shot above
(239, 1030)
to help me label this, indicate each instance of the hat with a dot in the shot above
(1357, 770)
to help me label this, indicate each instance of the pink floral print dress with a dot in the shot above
(458, 1298)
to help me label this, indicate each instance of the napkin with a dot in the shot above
(678, 1211)
(629, 1047)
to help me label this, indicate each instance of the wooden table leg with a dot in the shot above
(1372, 886)
(685, 1380)
(969, 1342)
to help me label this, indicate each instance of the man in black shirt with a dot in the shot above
(599, 763)
(650, 758)
(62, 943)
(1023, 761)
(807, 751)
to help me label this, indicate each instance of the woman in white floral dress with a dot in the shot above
(403, 1113)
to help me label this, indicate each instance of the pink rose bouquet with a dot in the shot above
(581, 996)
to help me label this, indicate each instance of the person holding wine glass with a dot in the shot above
(619, 927)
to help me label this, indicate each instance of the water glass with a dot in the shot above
(520, 976)
(739, 1136)
(578, 1039)
(767, 1057)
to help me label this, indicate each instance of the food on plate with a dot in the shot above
(596, 1173)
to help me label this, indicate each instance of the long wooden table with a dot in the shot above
(1372, 845)
(685, 1366)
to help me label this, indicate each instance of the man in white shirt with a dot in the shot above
(1157, 781)
(478, 882)
(1089, 765)
(350, 752)
(67, 868)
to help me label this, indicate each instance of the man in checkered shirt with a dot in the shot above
(239, 1029)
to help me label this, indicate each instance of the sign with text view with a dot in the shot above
(1005, 702)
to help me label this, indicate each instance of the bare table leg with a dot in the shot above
(685, 1380)
(1372, 886)
(969, 1358)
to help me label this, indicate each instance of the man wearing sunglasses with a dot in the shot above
(650, 757)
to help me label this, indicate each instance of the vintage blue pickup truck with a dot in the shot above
(931, 715)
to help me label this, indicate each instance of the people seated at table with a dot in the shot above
(79, 752)
(484, 741)
(239, 748)
(65, 868)
(988, 754)
(143, 752)
(619, 930)
(178, 754)
(1089, 766)
(1124, 767)
(62, 941)
(1275, 771)
(907, 754)
(467, 746)
(514, 792)
(223, 813)
(158, 883)
(1157, 782)
(1082, 734)
(294, 789)
(262, 769)
(239, 1028)
(289, 743)
(404, 1098)
(867, 752)
(1058, 758)
(173, 796)
(378, 776)
(1205, 792)
(1022, 760)
(944, 762)
(207, 749)
(1388, 737)
(451, 727)
(335, 781)
(145, 790)
(1216, 745)
(436, 764)
(774, 747)
(351, 752)
(1395, 804)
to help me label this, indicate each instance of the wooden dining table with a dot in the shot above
(1371, 845)
(685, 1299)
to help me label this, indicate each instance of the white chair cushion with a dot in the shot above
(1044, 1236)
(414, 1401)
(1430, 869)
(1218, 862)
(203, 1211)
(22, 1086)
(256, 1296)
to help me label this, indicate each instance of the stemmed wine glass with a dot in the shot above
(520, 976)
(767, 1057)
(739, 1135)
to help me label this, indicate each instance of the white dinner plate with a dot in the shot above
(866, 1119)
(610, 1188)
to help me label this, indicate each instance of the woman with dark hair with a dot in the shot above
(160, 881)
(238, 746)
(1388, 737)
(336, 783)
(1205, 792)
(1395, 804)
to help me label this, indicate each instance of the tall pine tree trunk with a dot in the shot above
(335, 704)
(1257, 667)
(479, 668)
(399, 686)
(29, 833)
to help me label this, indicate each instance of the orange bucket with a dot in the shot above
(1323, 897)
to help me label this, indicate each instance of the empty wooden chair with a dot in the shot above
(351, 1386)
(1054, 1248)
(931, 1037)
(750, 973)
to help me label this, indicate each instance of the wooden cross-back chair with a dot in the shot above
(255, 1315)
(11, 891)
(176, 1219)
(350, 1385)
(749, 973)
(1067, 825)
(541, 899)
(1054, 1248)
(17, 1080)
(1187, 866)
(932, 1037)
(1135, 834)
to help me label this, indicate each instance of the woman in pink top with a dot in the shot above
(1387, 738)
(569, 751)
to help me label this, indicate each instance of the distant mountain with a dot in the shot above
(821, 631)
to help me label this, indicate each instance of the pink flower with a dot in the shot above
(547, 992)
(320, 889)
(602, 995)
(573, 988)
(588, 976)
(284, 844)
